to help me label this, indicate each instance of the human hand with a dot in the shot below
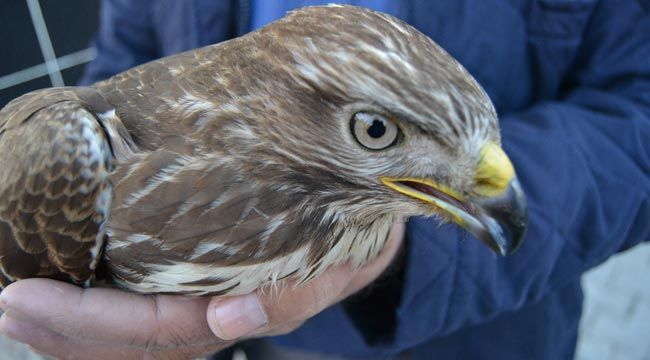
(65, 321)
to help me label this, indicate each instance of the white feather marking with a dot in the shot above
(124, 148)
(107, 114)
(355, 245)
(182, 210)
(175, 71)
(95, 251)
(270, 229)
(162, 176)
(213, 205)
(243, 279)
(92, 138)
(2, 270)
(242, 132)
(190, 104)
(137, 238)
(96, 151)
(260, 213)
(202, 121)
(207, 247)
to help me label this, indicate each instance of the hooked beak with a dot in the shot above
(495, 212)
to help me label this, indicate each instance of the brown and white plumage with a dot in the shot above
(228, 167)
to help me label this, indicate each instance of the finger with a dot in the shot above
(298, 303)
(238, 316)
(283, 329)
(48, 342)
(110, 315)
(265, 311)
(53, 344)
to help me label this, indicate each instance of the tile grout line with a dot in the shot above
(36, 71)
(45, 43)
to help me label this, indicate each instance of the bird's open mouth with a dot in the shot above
(430, 190)
(499, 221)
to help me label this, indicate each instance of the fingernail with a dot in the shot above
(239, 316)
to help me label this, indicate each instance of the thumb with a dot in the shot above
(233, 317)
(259, 312)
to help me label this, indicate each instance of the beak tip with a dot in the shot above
(505, 220)
(501, 244)
(511, 247)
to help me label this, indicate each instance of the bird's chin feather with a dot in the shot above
(353, 244)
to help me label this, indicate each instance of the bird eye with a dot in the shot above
(374, 131)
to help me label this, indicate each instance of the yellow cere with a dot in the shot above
(494, 171)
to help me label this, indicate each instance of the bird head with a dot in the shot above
(369, 116)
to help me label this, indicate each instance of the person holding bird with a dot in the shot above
(296, 176)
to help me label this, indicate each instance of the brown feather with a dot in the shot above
(48, 211)
(230, 166)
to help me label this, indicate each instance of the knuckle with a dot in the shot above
(160, 335)
(148, 342)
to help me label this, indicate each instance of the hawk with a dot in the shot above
(274, 155)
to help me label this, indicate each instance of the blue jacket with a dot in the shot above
(571, 82)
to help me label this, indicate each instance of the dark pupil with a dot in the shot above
(377, 129)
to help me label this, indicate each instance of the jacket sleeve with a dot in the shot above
(584, 162)
(125, 38)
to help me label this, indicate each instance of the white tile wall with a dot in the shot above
(616, 321)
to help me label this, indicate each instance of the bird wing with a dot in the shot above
(54, 190)
(195, 225)
(197, 215)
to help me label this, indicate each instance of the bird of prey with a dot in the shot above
(274, 155)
